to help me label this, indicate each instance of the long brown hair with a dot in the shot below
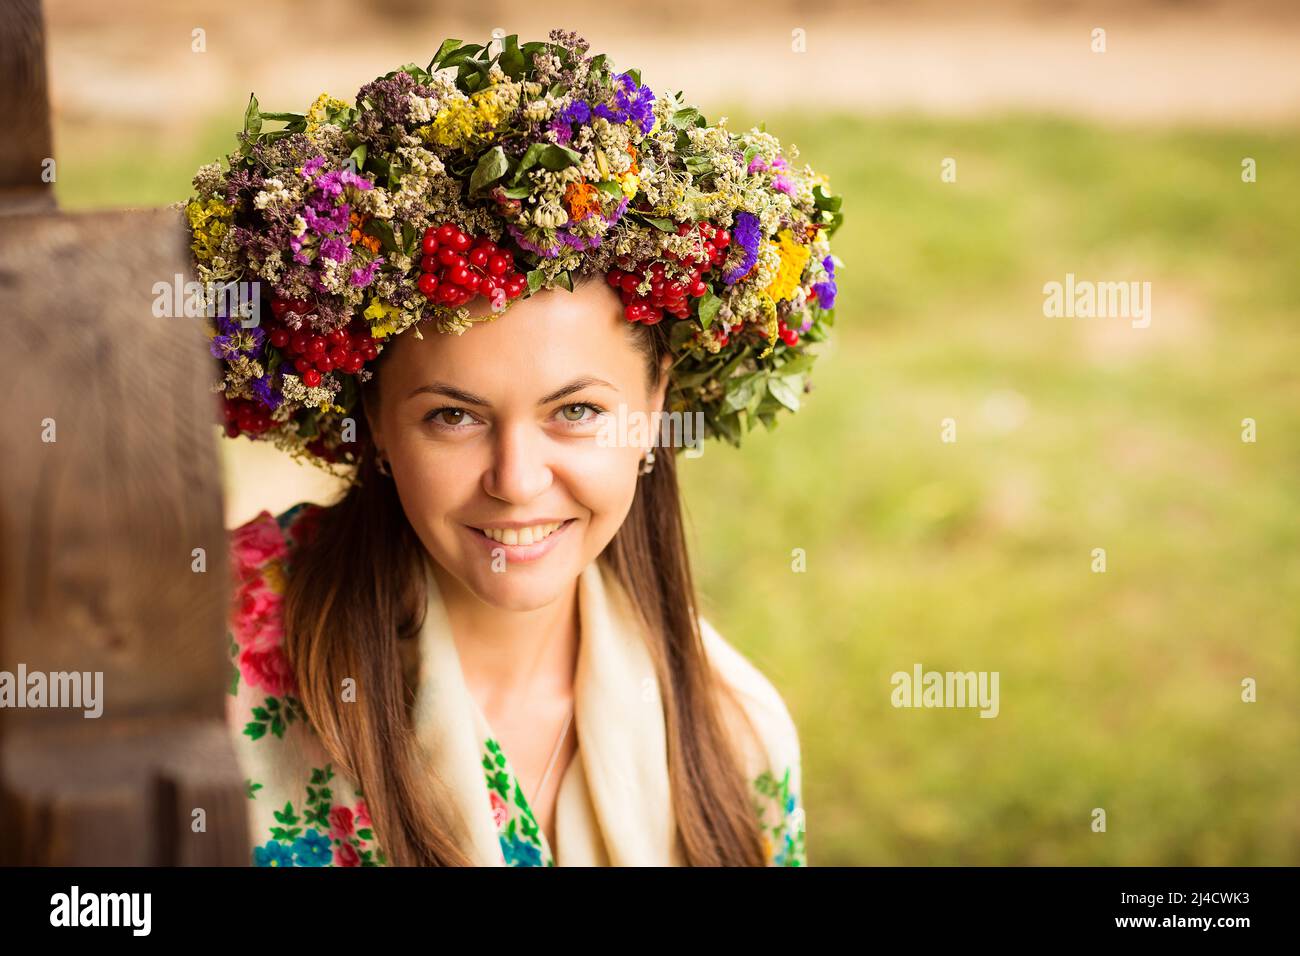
(356, 592)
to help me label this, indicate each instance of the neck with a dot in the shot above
(507, 654)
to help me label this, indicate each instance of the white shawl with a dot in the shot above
(614, 805)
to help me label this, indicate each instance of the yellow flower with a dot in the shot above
(794, 256)
(273, 575)
(317, 114)
(208, 224)
(383, 318)
(467, 121)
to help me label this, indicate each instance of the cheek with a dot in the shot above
(602, 480)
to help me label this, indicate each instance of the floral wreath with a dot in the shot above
(500, 170)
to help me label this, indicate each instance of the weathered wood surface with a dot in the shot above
(25, 145)
(97, 534)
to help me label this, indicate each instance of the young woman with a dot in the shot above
(488, 650)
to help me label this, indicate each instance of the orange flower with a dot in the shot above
(582, 200)
(357, 236)
(634, 168)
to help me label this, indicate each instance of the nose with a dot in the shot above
(519, 470)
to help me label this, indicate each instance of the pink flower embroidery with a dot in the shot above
(268, 670)
(345, 854)
(255, 543)
(341, 823)
(500, 812)
(363, 814)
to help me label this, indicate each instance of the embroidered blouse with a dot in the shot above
(613, 805)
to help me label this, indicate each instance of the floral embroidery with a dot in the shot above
(318, 831)
(324, 834)
(781, 820)
(522, 843)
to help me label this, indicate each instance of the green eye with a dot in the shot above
(567, 408)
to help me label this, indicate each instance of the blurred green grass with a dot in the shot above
(1118, 690)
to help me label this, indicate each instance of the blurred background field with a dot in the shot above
(1119, 690)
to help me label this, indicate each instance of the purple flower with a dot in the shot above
(632, 104)
(617, 214)
(746, 232)
(264, 391)
(335, 248)
(366, 274)
(827, 289)
(231, 341)
(524, 243)
(782, 184)
(579, 112)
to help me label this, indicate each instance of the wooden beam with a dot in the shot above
(26, 146)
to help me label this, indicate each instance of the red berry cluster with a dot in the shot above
(788, 335)
(244, 417)
(313, 353)
(669, 295)
(456, 266)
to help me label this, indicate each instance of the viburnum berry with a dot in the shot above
(244, 417)
(314, 354)
(669, 293)
(457, 266)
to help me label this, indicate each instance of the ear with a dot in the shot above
(660, 393)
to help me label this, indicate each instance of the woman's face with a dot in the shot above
(501, 429)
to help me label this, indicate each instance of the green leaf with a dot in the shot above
(384, 231)
(611, 188)
(358, 157)
(783, 390)
(516, 192)
(687, 116)
(565, 280)
(741, 392)
(252, 117)
(511, 60)
(535, 279)
(709, 306)
(492, 165)
(665, 225)
(443, 52)
(285, 117)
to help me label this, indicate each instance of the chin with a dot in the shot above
(515, 592)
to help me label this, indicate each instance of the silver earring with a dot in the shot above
(647, 463)
(381, 466)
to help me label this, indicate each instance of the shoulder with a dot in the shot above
(769, 743)
(260, 553)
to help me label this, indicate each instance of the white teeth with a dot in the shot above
(521, 535)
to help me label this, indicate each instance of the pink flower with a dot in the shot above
(268, 670)
(500, 812)
(345, 854)
(363, 814)
(341, 822)
(255, 543)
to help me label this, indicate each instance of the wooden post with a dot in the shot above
(112, 550)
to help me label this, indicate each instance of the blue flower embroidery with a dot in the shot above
(313, 849)
(520, 853)
(273, 853)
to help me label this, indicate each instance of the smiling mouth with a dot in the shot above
(523, 536)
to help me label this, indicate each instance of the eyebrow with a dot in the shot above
(469, 398)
